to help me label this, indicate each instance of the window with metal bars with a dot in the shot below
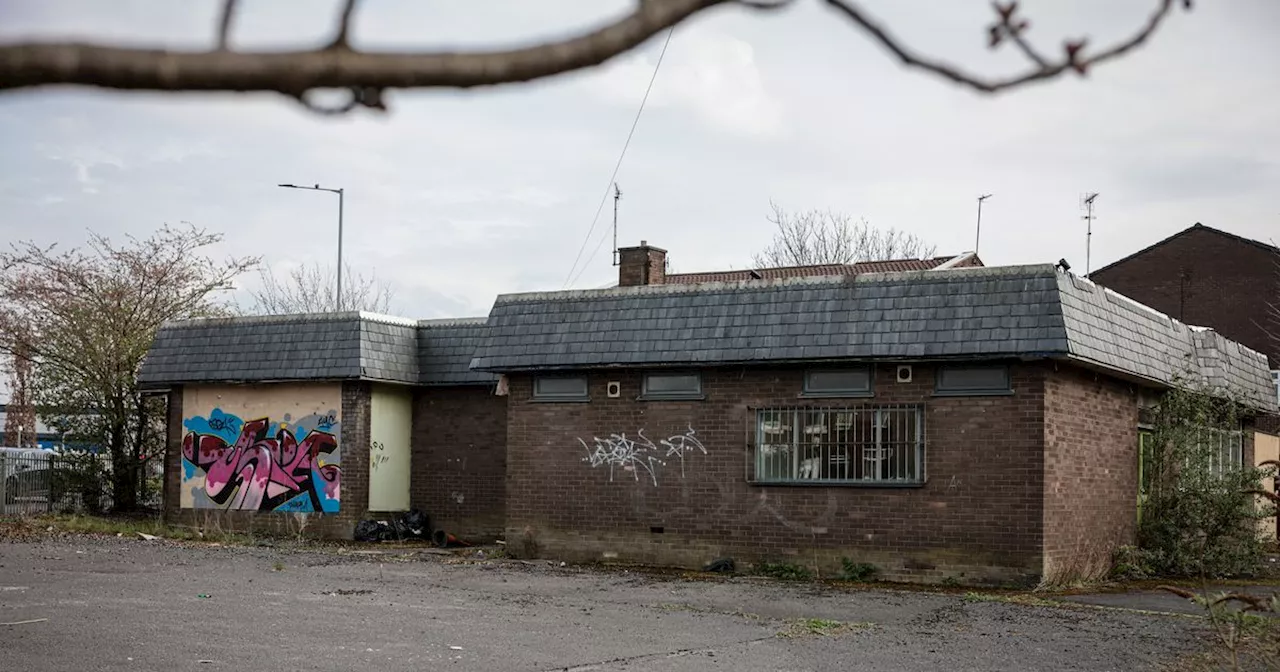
(1224, 448)
(868, 445)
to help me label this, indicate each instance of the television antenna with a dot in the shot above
(617, 196)
(978, 235)
(1086, 202)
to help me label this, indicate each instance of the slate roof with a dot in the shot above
(445, 348)
(1116, 332)
(289, 347)
(886, 266)
(326, 346)
(981, 312)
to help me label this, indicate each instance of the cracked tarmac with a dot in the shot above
(121, 604)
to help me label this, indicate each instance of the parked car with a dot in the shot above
(30, 485)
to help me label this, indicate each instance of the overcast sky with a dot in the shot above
(457, 197)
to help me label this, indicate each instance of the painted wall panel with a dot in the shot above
(262, 447)
(391, 422)
(1265, 448)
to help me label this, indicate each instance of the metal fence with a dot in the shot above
(26, 482)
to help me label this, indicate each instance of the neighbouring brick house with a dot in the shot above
(342, 414)
(976, 423)
(1205, 276)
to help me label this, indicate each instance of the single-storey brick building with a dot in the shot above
(980, 423)
(967, 422)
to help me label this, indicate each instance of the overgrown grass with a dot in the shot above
(820, 627)
(785, 571)
(131, 527)
(1011, 598)
(857, 571)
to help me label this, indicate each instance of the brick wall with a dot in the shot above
(1090, 472)
(354, 444)
(1205, 278)
(977, 519)
(459, 460)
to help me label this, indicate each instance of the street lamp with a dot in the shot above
(339, 193)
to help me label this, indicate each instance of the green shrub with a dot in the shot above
(81, 478)
(857, 571)
(1198, 518)
(785, 571)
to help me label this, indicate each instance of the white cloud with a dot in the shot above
(709, 73)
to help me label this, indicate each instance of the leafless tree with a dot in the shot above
(84, 320)
(826, 237)
(312, 288)
(20, 414)
(367, 75)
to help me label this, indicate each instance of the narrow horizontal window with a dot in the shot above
(560, 387)
(973, 380)
(838, 382)
(868, 445)
(672, 386)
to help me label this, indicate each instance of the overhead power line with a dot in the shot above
(570, 277)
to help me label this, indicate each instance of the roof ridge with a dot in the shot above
(452, 321)
(832, 264)
(770, 283)
(263, 319)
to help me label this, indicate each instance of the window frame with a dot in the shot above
(807, 391)
(809, 461)
(647, 395)
(585, 395)
(940, 391)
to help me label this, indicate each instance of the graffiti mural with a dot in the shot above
(292, 465)
(617, 451)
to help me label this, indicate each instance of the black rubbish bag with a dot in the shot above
(368, 530)
(413, 524)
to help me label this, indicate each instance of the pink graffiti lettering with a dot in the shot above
(260, 472)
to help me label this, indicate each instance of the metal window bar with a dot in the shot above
(1225, 449)
(859, 444)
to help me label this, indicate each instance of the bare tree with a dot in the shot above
(826, 237)
(367, 75)
(20, 414)
(312, 288)
(85, 319)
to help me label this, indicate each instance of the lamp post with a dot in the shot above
(339, 193)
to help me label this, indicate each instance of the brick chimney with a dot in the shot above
(643, 265)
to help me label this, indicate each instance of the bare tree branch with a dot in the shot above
(368, 75)
(1073, 59)
(295, 72)
(224, 23)
(344, 26)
